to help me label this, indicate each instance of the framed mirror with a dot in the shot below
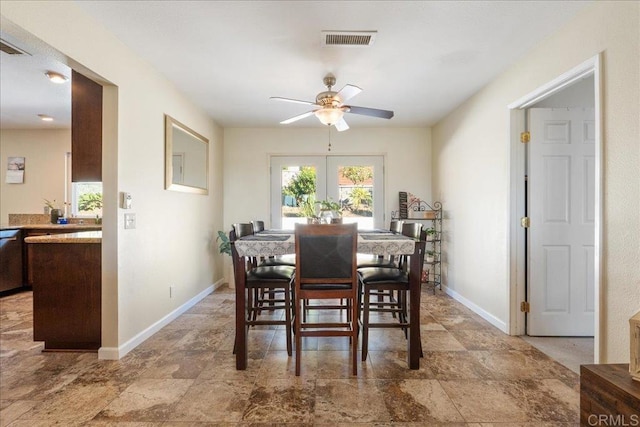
(186, 158)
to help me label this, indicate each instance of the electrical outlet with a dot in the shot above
(129, 221)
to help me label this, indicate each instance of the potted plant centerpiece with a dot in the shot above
(308, 209)
(330, 211)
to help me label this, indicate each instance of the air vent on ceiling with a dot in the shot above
(10, 49)
(348, 38)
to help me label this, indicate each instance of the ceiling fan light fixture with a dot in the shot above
(56, 77)
(329, 116)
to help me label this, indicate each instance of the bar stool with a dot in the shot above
(277, 280)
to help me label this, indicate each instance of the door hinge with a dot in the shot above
(525, 137)
(525, 222)
(525, 307)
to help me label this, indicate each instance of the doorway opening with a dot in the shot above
(563, 89)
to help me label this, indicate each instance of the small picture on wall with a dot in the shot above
(15, 170)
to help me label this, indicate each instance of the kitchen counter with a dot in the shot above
(67, 289)
(48, 226)
(75, 237)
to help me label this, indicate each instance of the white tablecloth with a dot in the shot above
(282, 242)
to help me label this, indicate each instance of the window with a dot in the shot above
(83, 198)
(86, 199)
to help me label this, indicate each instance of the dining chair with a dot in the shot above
(326, 270)
(390, 279)
(258, 226)
(276, 280)
(367, 260)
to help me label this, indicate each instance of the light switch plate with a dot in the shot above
(129, 221)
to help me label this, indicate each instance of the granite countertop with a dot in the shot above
(49, 226)
(77, 237)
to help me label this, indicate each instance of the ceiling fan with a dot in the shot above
(330, 106)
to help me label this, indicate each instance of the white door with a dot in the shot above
(561, 208)
(284, 208)
(361, 195)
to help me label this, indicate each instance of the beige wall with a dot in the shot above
(246, 162)
(44, 152)
(174, 242)
(471, 161)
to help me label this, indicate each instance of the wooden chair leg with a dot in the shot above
(365, 324)
(354, 337)
(287, 315)
(298, 338)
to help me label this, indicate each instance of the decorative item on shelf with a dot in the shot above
(430, 256)
(634, 359)
(425, 275)
(402, 203)
(431, 234)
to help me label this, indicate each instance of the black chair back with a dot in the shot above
(258, 226)
(412, 229)
(396, 226)
(326, 253)
(243, 229)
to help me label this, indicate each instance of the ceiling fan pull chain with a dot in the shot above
(329, 126)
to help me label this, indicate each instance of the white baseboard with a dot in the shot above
(115, 353)
(477, 309)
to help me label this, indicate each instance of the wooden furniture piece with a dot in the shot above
(608, 396)
(281, 242)
(268, 288)
(386, 280)
(67, 291)
(11, 259)
(86, 129)
(326, 270)
(48, 230)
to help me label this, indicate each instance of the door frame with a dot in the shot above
(516, 199)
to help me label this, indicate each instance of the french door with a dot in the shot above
(356, 183)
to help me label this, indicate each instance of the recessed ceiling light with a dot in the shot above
(56, 77)
(45, 118)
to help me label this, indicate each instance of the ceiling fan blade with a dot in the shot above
(348, 92)
(296, 118)
(297, 101)
(341, 125)
(373, 112)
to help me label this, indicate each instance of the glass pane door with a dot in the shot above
(296, 183)
(356, 182)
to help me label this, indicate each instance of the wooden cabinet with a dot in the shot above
(30, 232)
(86, 129)
(67, 295)
(11, 260)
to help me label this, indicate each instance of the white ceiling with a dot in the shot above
(229, 57)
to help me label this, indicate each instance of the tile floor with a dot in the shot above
(471, 375)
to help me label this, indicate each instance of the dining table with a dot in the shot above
(277, 242)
